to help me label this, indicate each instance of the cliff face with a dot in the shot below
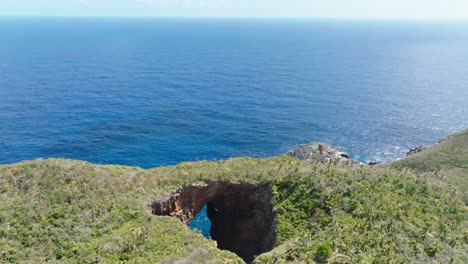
(241, 215)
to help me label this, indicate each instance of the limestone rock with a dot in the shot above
(242, 216)
(318, 152)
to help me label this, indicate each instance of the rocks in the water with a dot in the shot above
(318, 152)
(373, 163)
(416, 149)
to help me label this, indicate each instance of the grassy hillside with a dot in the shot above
(444, 163)
(75, 212)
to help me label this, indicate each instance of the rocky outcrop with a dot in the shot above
(416, 149)
(242, 216)
(318, 152)
(187, 202)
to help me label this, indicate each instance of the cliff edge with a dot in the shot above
(273, 210)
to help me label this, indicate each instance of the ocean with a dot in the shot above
(155, 92)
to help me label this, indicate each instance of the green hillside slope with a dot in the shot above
(443, 163)
(69, 211)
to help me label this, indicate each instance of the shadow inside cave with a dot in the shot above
(241, 216)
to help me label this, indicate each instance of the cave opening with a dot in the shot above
(240, 217)
(201, 222)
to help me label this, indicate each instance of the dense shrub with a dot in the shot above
(74, 212)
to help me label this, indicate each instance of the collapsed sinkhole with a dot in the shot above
(242, 217)
(201, 222)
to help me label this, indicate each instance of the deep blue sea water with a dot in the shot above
(152, 92)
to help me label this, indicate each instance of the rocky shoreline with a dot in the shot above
(323, 153)
(319, 152)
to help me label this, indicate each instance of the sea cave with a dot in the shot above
(242, 219)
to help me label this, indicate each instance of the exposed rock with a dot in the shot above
(373, 163)
(241, 215)
(416, 149)
(318, 152)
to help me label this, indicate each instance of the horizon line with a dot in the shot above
(242, 17)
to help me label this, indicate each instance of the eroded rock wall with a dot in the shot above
(242, 217)
(187, 202)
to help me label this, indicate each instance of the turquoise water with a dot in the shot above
(152, 92)
(201, 222)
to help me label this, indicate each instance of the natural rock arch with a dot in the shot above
(242, 216)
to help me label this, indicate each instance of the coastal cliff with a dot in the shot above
(241, 215)
(322, 209)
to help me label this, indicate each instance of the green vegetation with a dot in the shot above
(69, 211)
(369, 216)
(444, 163)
